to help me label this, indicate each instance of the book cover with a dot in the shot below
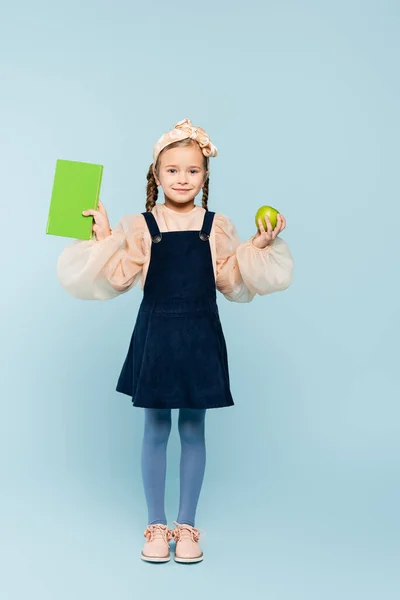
(76, 188)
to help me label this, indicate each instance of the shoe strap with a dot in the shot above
(184, 531)
(158, 531)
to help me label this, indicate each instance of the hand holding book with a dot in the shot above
(101, 225)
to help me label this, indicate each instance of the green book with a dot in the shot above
(76, 188)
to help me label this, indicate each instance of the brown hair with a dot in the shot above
(152, 188)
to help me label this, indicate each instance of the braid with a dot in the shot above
(205, 193)
(152, 190)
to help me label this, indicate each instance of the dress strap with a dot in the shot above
(155, 232)
(207, 225)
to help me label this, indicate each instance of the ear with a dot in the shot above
(156, 178)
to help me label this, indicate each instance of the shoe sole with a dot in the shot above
(155, 560)
(188, 560)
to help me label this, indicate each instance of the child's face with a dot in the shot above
(181, 173)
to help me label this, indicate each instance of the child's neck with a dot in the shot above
(178, 207)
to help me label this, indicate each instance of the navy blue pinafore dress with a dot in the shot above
(177, 357)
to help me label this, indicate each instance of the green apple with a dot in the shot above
(264, 211)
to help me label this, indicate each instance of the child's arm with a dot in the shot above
(100, 270)
(244, 270)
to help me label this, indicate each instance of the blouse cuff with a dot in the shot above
(266, 249)
(117, 235)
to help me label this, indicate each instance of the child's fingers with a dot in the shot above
(93, 213)
(269, 225)
(261, 225)
(102, 208)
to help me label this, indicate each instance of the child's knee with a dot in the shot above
(157, 427)
(191, 431)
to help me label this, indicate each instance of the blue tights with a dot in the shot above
(157, 427)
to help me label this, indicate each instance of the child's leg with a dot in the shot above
(191, 426)
(157, 428)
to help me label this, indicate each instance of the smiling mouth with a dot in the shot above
(180, 190)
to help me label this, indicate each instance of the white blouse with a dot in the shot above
(100, 270)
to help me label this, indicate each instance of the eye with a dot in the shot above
(194, 171)
(171, 170)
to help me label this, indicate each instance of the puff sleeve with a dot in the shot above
(101, 270)
(243, 270)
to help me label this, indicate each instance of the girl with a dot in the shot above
(177, 358)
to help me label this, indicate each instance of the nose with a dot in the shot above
(182, 178)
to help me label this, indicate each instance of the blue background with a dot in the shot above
(301, 493)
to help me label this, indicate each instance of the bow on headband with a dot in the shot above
(184, 130)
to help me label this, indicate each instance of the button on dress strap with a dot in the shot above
(207, 225)
(155, 232)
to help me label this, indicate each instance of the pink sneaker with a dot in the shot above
(156, 548)
(187, 547)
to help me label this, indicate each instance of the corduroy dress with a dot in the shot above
(177, 357)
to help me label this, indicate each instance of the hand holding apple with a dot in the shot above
(269, 224)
